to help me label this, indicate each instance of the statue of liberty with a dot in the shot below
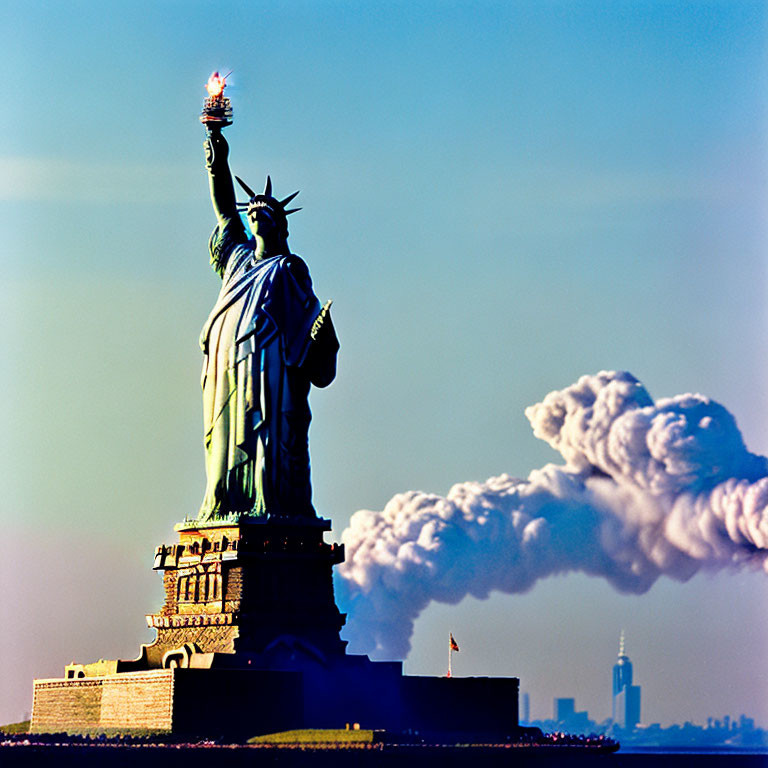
(265, 342)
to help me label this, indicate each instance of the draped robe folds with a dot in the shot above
(259, 361)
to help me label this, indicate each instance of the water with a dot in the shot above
(190, 757)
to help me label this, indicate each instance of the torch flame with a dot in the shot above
(215, 85)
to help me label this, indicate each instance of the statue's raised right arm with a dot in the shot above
(230, 225)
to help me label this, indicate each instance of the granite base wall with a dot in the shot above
(128, 701)
(460, 704)
(236, 703)
(239, 703)
(205, 702)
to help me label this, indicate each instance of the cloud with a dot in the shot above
(647, 489)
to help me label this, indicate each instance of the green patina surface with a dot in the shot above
(266, 341)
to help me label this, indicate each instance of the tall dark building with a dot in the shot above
(626, 697)
(525, 709)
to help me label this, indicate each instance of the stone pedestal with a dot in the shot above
(248, 643)
(248, 589)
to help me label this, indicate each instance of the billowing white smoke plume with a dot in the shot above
(647, 489)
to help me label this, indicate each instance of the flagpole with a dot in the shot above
(450, 653)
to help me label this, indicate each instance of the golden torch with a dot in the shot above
(217, 108)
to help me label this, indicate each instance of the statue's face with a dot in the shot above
(263, 222)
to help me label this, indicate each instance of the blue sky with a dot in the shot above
(500, 197)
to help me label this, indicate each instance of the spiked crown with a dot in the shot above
(266, 200)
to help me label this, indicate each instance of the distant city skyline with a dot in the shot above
(626, 724)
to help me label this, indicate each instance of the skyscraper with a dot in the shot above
(626, 697)
(525, 709)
